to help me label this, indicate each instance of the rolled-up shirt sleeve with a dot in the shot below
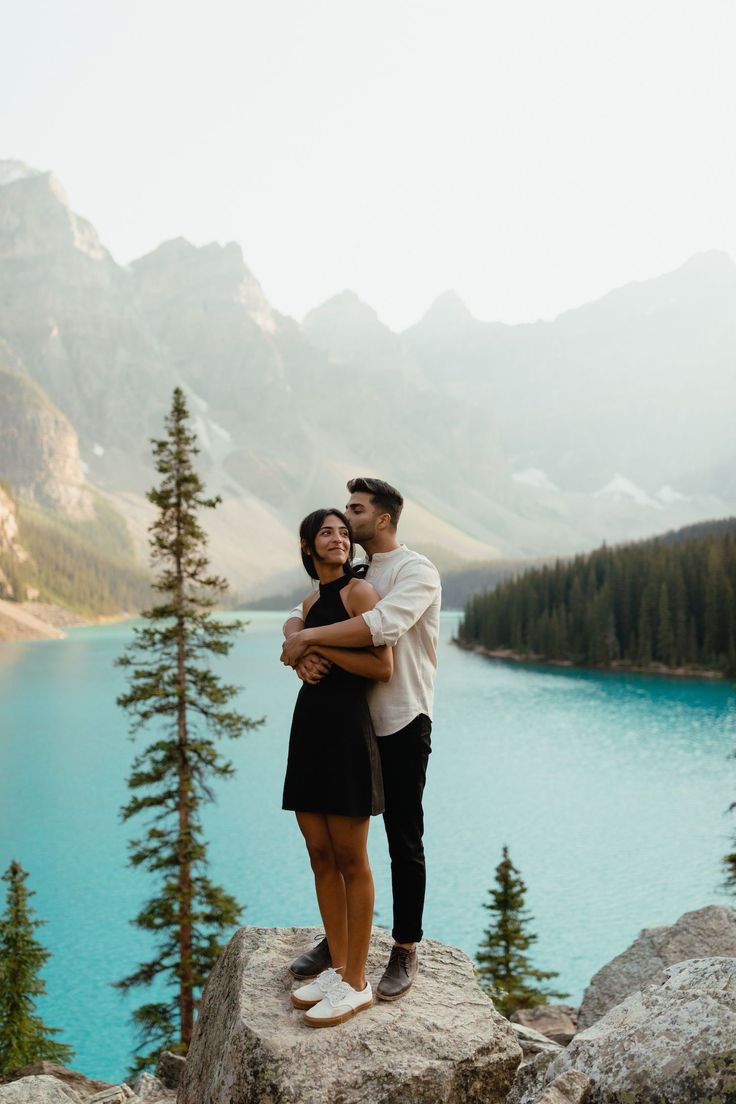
(416, 587)
(298, 611)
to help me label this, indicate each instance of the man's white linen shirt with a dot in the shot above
(407, 618)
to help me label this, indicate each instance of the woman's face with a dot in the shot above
(332, 542)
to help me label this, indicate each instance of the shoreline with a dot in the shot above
(26, 621)
(614, 667)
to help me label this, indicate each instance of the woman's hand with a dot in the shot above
(312, 668)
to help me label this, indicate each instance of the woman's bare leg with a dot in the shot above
(328, 882)
(349, 837)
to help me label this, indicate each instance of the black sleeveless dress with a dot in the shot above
(334, 765)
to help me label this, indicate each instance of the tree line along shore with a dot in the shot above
(665, 605)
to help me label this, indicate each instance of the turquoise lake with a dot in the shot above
(610, 790)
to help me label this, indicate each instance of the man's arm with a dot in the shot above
(310, 668)
(415, 589)
(343, 634)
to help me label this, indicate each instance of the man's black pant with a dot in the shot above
(404, 756)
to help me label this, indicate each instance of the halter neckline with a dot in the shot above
(335, 584)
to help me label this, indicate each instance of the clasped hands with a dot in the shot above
(309, 666)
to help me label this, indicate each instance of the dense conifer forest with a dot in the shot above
(668, 601)
(88, 567)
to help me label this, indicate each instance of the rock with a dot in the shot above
(169, 1069)
(152, 1090)
(673, 1042)
(83, 1086)
(558, 1022)
(534, 1042)
(39, 1089)
(703, 933)
(39, 450)
(531, 1078)
(569, 1088)
(114, 1094)
(444, 1041)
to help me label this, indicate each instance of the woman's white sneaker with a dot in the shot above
(306, 996)
(339, 1004)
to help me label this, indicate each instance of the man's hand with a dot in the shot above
(294, 648)
(312, 668)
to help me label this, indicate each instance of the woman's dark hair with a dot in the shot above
(308, 531)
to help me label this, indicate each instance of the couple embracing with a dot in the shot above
(365, 647)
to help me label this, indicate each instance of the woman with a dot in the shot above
(333, 776)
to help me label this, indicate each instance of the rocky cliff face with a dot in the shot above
(69, 315)
(39, 451)
(12, 553)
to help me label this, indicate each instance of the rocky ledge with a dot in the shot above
(443, 1042)
(47, 1083)
(673, 1042)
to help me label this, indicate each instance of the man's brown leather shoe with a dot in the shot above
(399, 975)
(312, 962)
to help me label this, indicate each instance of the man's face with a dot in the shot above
(363, 516)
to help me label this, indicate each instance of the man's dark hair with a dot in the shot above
(384, 497)
(308, 531)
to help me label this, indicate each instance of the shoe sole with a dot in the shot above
(334, 1020)
(302, 1003)
(395, 996)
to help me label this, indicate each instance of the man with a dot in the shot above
(406, 618)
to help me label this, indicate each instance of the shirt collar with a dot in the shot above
(379, 557)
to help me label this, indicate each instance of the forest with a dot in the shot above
(665, 602)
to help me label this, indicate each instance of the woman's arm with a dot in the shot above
(373, 663)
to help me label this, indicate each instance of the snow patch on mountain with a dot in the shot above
(621, 489)
(668, 495)
(535, 477)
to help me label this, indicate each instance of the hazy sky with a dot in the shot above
(531, 154)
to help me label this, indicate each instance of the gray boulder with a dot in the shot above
(704, 933)
(444, 1041)
(558, 1022)
(534, 1042)
(169, 1069)
(671, 1043)
(114, 1094)
(83, 1086)
(39, 1089)
(152, 1090)
(569, 1088)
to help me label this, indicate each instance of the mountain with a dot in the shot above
(12, 553)
(508, 441)
(637, 382)
(39, 450)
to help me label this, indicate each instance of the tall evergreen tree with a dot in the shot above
(504, 969)
(171, 683)
(24, 1037)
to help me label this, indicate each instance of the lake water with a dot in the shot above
(610, 791)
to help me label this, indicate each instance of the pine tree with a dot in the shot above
(504, 970)
(171, 683)
(24, 1037)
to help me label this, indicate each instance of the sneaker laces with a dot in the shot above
(338, 992)
(327, 979)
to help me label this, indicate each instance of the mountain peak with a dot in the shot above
(10, 171)
(447, 310)
(346, 308)
(215, 271)
(36, 217)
